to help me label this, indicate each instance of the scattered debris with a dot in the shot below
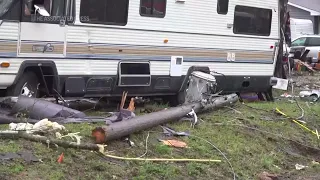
(123, 114)
(300, 167)
(194, 118)
(131, 105)
(131, 143)
(43, 126)
(170, 132)
(73, 136)
(174, 143)
(282, 84)
(60, 158)
(39, 109)
(312, 95)
(315, 162)
(301, 63)
(286, 95)
(267, 176)
(47, 140)
(83, 104)
(26, 155)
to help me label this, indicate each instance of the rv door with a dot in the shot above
(43, 28)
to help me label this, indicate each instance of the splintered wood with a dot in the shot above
(123, 101)
(99, 133)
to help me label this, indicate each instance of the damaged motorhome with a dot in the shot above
(95, 48)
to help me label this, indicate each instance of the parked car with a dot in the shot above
(310, 42)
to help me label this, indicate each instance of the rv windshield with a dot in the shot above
(4, 6)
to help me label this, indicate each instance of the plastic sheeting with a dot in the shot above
(40, 109)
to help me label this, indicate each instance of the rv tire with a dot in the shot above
(27, 85)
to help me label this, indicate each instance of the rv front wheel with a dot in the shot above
(27, 85)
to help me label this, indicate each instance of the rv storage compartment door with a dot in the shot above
(134, 73)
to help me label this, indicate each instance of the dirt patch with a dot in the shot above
(306, 81)
(312, 152)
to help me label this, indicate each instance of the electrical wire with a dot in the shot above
(159, 159)
(224, 156)
(146, 146)
(225, 77)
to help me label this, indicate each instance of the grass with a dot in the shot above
(250, 152)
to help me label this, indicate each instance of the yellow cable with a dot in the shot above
(295, 121)
(157, 159)
(304, 127)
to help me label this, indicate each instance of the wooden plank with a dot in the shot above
(304, 64)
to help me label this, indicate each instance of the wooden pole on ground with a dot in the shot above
(123, 128)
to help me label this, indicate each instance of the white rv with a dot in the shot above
(95, 48)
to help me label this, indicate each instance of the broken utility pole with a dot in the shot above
(123, 128)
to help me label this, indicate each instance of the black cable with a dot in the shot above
(220, 74)
(225, 77)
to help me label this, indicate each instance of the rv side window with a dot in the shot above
(112, 12)
(49, 11)
(153, 8)
(222, 6)
(252, 21)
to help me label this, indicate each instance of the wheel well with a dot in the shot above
(48, 78)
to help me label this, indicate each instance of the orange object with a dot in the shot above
(317, 67)
(60, 159)
(175, 143)
(5, 64)
(131, 105)
(165, 40)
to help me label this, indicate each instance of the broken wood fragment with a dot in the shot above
(131, 105)
(305, 65)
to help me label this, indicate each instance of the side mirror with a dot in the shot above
(1, 21)
(41, 10)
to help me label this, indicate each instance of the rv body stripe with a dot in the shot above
(124, 52)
